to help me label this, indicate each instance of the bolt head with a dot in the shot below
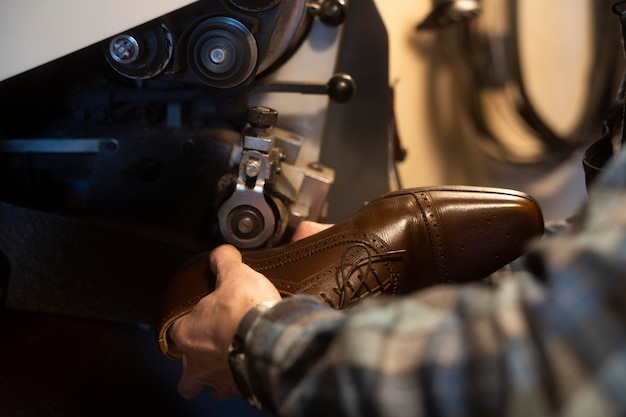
(124, 49)
(262, 117)
(252, 169)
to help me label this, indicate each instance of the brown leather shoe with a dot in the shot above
(397, 243)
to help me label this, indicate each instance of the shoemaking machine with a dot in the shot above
(123, 158)
(125, 151)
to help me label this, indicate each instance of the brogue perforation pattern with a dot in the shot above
(378, 271)
(435, 235)
(318, 246)
(486, 235)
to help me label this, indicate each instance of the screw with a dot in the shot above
(245, 225)
(218, 55)
(124, 49)
(252, 169)
(262, 117)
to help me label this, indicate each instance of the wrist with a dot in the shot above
(238, 358)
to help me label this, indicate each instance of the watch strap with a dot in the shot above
(238, 358)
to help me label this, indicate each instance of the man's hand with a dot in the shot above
(204, 335)
(307, 228)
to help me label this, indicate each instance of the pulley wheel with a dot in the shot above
(142, 53)
(222, 52)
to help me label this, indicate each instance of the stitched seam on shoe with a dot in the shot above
(342, 238)
(435, 233)
(318, 246)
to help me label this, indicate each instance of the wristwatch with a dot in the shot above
(238, 358)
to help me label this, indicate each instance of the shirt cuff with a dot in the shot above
(263, 338)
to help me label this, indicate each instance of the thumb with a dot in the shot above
(222, 256)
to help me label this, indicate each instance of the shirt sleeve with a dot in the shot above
(548, 339)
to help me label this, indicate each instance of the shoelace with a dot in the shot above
(362, 269)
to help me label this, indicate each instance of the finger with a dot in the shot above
(307, 228)
(223, 255)
(188, 387)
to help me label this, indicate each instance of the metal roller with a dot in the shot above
(141, 53)
(222, 52)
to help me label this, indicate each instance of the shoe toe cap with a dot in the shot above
(476, 233)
